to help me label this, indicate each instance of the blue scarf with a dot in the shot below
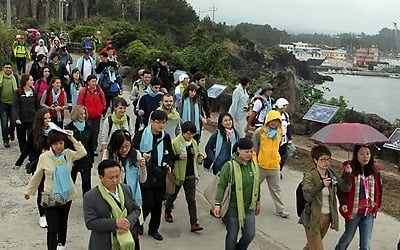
(272, 132)
(132, 179)
(46, 131)
(55, 100)
(186, 113)
(268, 102)
(79, 125)
(220, 141)
(112, 76)
(75, 87)
(61, 176)
(146, 144)
(150, 92)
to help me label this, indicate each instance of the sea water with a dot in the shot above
(379, 95)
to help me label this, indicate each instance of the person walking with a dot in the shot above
(24, 107)
(186, 174)
(43, 83)
(110, 210)
(240, 97)
(133, 170)
(361, 204)
(173, 127)
(149, 101)
(8, 86)
(110, 82)
(220, 145)
(82, 132)
(266, 141)
(319, 189)
(244, 203)
(21, 54)
(55, 166)
(55, 99)
(75, 85)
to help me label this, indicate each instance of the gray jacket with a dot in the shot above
(97, 212)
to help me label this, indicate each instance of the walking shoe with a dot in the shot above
(168, 218)
(195, 227)
(60, 247)
(12, 137)
(140, 230)
(6, 144)
(42, 222)
(282, 214)
(156, 235)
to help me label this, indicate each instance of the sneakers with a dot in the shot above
(60, 247)
(12, 137)
(42, 222)
(16, 167)
(156, 235)
(140, 230)
(168, 218)
(195, 227)
(6, 144)
(282, 214)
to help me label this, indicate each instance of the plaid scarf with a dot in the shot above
(371, 194)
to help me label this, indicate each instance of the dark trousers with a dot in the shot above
(39, 197)
(85, 176)
(21, 64)
(95, 125)
(7, 126)
(152, 204)
(57, 222)
(283, 154)
(22, 133)
(189, 186)
(109, 102)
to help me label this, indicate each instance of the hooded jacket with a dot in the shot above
(266, 150)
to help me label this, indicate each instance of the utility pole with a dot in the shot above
(138, 18)
(9, 12)
(213, 10)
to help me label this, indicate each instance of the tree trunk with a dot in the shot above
(85, 9)
(34, 8)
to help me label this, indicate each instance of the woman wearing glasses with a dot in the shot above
(319, 189)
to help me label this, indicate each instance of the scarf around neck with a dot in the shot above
(150, 92)
(369, 193)
(79, 125)
(187, 113)
(272, 132)
(179, 145)
(220, 141)
(9, 77)
(237, 173)
(61, 176)
(146, 144)
(119, 241)
(119, 122)
(132, 175)
(56, 95)
(172, 114)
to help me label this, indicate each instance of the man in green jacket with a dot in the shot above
(21, 53)
(8, 85)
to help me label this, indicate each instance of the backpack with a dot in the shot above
(250, 106)
(300, 201)
(110, 124)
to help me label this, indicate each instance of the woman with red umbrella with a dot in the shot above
(360, 206)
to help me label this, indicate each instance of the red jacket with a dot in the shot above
(93, 100)
(348, 198)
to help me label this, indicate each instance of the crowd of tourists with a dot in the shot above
(137, 155)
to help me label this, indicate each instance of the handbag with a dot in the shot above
(52, 200)
(211, 190)
(31, 166)
(170, 183)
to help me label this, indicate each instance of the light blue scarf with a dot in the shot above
(220, 141)
(132, 179)
(146, 144)
(186, 113)
(46, 131)
(272, 132)
(79, 125)
(268, 102)
(55, 100)
(61, 176)
(75, 87)
(150, 92)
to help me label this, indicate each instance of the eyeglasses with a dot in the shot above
(324, 159)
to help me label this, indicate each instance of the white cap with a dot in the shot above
(281, 102)
(182, 77)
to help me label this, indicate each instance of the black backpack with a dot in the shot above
(300, 201)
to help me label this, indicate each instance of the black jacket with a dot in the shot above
(86, 138)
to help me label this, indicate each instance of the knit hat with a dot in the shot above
(281, 102)
(267, 86)
(182, 77)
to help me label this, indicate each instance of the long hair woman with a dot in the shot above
(244, 204)
(361, 204)
(55, 99)
(133, 166)
(25, 105)
(220, 145)
(42, 84)
(75, 85)
(55, 166)
(36, 144)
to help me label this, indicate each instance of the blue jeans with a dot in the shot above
(365, 225)
(232, 230)
(7, 126)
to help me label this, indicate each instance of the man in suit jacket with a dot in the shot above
(110, 210)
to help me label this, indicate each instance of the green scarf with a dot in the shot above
(119, 122)
(180, 165)
(172, 114)
(236, 162)
(11, 76)
(123, 241)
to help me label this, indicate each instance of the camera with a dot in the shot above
(334, 181)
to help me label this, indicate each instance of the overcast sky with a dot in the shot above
(295, 16)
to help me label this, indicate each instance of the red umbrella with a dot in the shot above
(348, 133)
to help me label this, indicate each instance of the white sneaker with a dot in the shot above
(60, 247)
(42, 222)
(282, 214)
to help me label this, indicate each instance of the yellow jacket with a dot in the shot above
(266, 150)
